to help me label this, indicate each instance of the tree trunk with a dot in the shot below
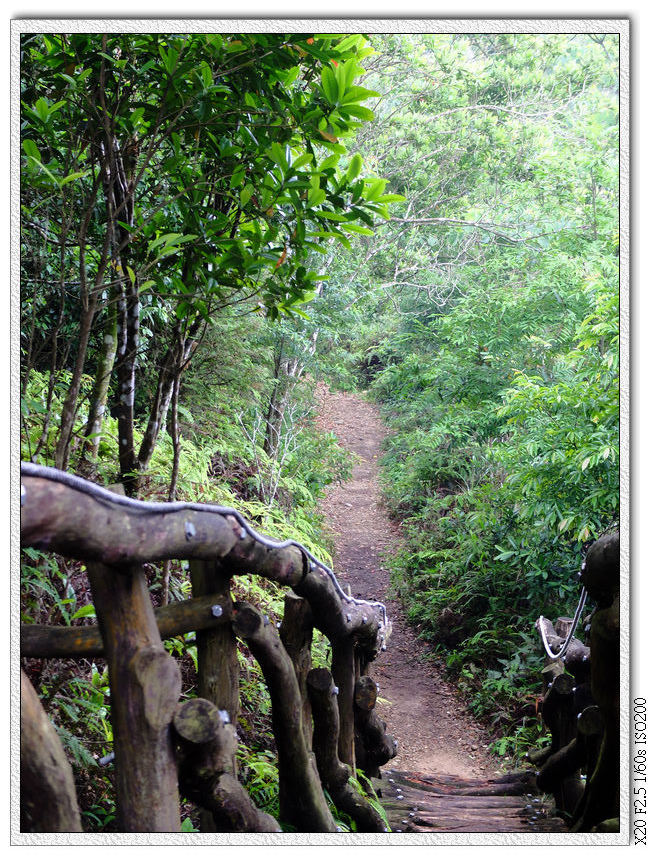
(69, 408)
(99, 395)
(172, 367)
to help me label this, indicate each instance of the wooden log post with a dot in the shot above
(601, 577)
(373, 746)
(591, 731)
(335, 774)
(302, 801)
(145, 686)
(559, 716)
(296, 633)
(343, 671)
(207, 744)
(218, 668)
(48, 801)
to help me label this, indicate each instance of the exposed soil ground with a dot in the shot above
(435, 731)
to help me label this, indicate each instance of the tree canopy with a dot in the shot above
(170, 177)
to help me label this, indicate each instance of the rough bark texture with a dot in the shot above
(208, 745)
(302, 802)
(145, 686)
(145, 683)
(296, 634)
(335, 774)
(60, 519)
(559, 716)
(374, 747)
(343, 672)
(582, 710)
(601, 576)
(48, 802)
(59, 641)
(218, 668)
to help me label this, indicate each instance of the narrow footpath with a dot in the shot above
(434, 729)
(444, 778)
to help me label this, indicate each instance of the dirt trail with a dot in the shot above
(435, 731)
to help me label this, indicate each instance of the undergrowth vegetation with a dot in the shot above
(220, 461)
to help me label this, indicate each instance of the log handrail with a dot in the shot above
(115, 535)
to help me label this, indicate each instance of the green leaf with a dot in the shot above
(330, 85)
(332, 215)
(84, 612)
(359, 111)
(32, 150)
(374, 188)
(246, 194)
(356, 94)
(303, 159)
(355, 166)
(74, 176)
(238, 176)
(359, 229)
(316, 197)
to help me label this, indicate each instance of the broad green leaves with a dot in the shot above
(232, 153)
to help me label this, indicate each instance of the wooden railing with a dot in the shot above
(324, 721)
(581, 708)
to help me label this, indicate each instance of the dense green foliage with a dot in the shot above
(198, 249)
(492, 338)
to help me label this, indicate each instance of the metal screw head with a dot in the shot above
(216, 611)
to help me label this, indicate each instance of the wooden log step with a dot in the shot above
(446, 803)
